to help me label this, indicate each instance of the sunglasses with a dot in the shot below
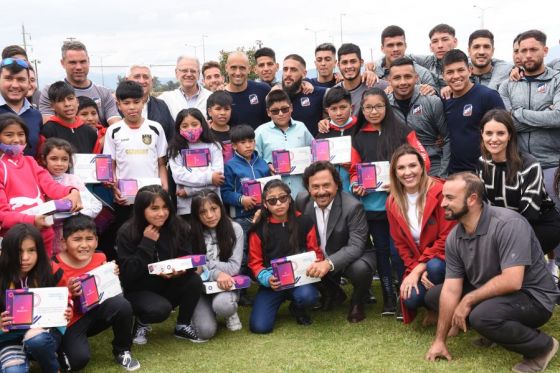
(11, 61)
(274, 200)
(284, 110)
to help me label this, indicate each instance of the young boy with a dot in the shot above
(65, 124)
(79, 257)
(219, 111)
(89, 113)
(338, 102)
(282, 132)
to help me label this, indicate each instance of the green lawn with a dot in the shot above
(330, 344)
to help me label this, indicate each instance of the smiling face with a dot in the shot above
(237, 68)
(57, 161)
(322, 188)
(481, 52)
(13, 134)
(349, 66)
(210, 214)
(409, 172)
(373, 108)
(325, 62)
(187, 73)
(27, 256)
(213, 79)
(156, 213)
(403, 79)
(81, 245)
(457, 76)
(266, 68)
(495, 137)
(14, 87)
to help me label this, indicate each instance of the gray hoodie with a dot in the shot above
(427, 119)
(433, 65)
(500, 72)
(535, 107)
(213, 263)
(424, 76)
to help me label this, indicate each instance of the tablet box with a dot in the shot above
(104, 167)
(50, 207)
(240, 282)
(252, 188)
(89, 299)
(177, 264)
(128, 189)
(320, 150)
(291, 270)
(193, 158)
(45, 307)
(281, 161)
(19, 304)
(367, 176)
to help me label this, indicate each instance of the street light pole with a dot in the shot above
(482, 10)
(203, 48)
(341, 15)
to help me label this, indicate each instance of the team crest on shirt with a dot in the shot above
(541, 87)
(305, 101)
(253, 99)
(467, 110)
(147, 139)
(417, 109)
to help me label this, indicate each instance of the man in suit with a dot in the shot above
(343, 235)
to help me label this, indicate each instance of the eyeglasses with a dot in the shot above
(369, 109)
(274, 200)
(188, 71)
(284, 110)
(11, 61)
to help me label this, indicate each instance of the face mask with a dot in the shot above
(192, 135)
(12, 150)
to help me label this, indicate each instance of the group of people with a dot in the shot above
(462, 228)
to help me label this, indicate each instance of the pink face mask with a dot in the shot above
(192, 134)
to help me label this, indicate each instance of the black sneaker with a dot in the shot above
(127, 361)
(188, 332)
(301, 315)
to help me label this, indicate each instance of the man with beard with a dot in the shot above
(249, 97)
(534, 102)
(350, 63)
(212, 76)
(307, 108)
(424, 114)
(343, 234)
(485, 69)
(464, 111)
(495, 281)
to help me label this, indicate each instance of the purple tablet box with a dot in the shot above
(19, 304)
(89, 298)
(196, 157)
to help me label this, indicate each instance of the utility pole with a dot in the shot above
(203, 48)
(259, 43)
(24, 36)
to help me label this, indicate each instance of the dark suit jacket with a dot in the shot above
(347, 229)
(159, 112)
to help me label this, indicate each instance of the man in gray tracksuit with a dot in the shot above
(486, 70)
(423, 113)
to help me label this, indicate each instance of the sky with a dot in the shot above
(125, 32)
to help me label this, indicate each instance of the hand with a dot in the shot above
(273, 282)
(68, 313)
(370, 66)
(151, 232)
(338, 77)
(515, 74)
(410, 282)
(369, 77)
(119, 200)
(181, 192)
(169, 276)
(271, 168)
(6, 321)
(75, 287)
(439, 142)
(117, 270)
(446, 93)
(438, 350)
(389, 90)
(427, 90)
(248, 203)
(218, 178)
(359, 190)
(225, 281)
(324, 126)
(386, 186)
(306, 87)
(318, 269)
(76, 200)
(257, 216)
(424, 279)
(460, 315)
(41, 222)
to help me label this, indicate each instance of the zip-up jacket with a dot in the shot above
(535, 107)
(434, 66)
(495, 77)
(81, 136)
(424, 76)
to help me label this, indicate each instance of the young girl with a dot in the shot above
(155, 233)
(376, 135)
(24, 184)
(24, 264)
(192, 132)
(213, 233)
(279, 232)
(418, 228)
(56, 157)
(89, 113)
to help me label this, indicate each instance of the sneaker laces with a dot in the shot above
(126, 358)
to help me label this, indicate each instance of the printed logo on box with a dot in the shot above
(468, 110)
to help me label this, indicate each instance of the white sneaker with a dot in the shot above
(233, 323)
(140, 333)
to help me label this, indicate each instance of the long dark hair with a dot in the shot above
(174, 226)
(263, 223)
(513, 157)
(10, 260)
(178, 142)
(224, 230)
(393, 130)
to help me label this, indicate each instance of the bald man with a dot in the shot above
(249, 105)
(190, 93)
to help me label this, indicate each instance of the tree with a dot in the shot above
(250, 54)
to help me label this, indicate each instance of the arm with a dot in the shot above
(255, 261)
(233, 265)
(9, 217)
(194, 177)
(92, 205)
(134, 257)
(47, 184)
(440, 122)
(110, 109)
(531, 199)
(358, 233)
(162, 172)
(229, 192)
(444, 226)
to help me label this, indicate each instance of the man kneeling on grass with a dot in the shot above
(495, 279)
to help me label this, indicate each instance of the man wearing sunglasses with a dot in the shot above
(342, 232)
(14, 85)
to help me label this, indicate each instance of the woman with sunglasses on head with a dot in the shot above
(514, 180)
(280, 232)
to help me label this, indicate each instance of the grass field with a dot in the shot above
(331, 344)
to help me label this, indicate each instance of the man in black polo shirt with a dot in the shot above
(496, 281)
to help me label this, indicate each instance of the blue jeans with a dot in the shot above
(267, 302)
(43, 348)
(436, 274)
(10, 354)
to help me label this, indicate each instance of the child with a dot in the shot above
(338, 102)
(282, 132)
(155, 233)
(89, 113)
(219, 111)
(279, 232)
(23, 183)
(56, 157)
(24, 264)
(376, 136)
(79, 257)
(192, 132)
(221, 240)
(65, 124)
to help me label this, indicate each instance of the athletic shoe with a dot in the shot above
(188, 332)
(127, 361)
(140, 335)
(233, 323)
(538, 363)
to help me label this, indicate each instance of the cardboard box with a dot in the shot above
(291, 270)
(321, 150)
(44, 307)
(227, 150)
(108, 283)
(177, 264)
(89, 298)
(372, 176)
(50, 207)
(240, 282)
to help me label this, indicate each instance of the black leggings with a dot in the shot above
(154, 305)
(547, 229)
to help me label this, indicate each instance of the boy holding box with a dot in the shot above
(80, 241)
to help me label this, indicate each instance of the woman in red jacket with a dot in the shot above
(418, 227)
